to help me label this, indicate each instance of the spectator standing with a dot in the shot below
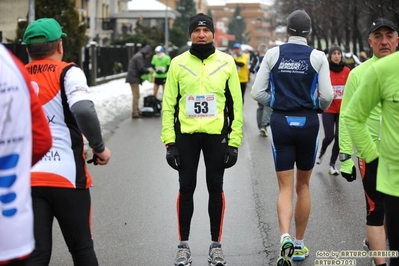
(253, 61)
(241, 59)
(160, 63)
(300, 86)
(383, 40)
(339, 74)
(135, 70)
(202, 111)
(263, 112)
(262, 49)
(351, 59)
(60, 181)
(22, 119)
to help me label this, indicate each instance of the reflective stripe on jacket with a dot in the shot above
(189, 76)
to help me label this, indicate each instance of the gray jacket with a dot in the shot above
(136, 66)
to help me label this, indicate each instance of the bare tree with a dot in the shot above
(342, 22)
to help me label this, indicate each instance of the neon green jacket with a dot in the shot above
(160, 64)
(380, 84)
(202, 97)
(373, 121)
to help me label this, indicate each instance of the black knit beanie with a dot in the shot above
(332, 49)
(299, 23)
(201, 20)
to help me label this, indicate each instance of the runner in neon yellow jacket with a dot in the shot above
(216, 76)
(380, 85)
(383, 40)
(201, 114)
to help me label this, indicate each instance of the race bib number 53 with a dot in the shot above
(201, 105)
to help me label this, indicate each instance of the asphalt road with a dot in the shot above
(134, 197)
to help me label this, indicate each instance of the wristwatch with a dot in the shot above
(343, 157)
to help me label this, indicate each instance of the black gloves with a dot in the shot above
(350, 177)
(348, 170)
(230, 157)
(93, 160)
(172, 156)
(159, 72)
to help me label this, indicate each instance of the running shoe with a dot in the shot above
(284, 262)
(300, 253)
(183, 256)
(287, 250)
(333, 170)
(216, 257)
(263, 132)
(287, 247)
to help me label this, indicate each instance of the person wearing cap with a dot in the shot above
(300, 85)
(339, 74)
(383, 40)
(160, 63)
(135, 70)
(202, 111)
(379, 87)
(25, 138)
(60, 180)
(241, 59)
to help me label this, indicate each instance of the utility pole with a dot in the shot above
(31, 11)
(93, 17)
(166, 28)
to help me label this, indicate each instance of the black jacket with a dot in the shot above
(137, 66)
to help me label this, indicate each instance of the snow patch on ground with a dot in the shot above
(113, 103)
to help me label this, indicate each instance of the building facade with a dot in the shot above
(259, 18)
(149, 13)
(96, 15)
(11, 12)
(107, 20)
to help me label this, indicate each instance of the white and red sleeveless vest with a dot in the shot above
(64, 165)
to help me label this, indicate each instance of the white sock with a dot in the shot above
(298, 243)
(184, 243)
(284, 235)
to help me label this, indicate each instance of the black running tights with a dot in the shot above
(391, 204)
(213, 148)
